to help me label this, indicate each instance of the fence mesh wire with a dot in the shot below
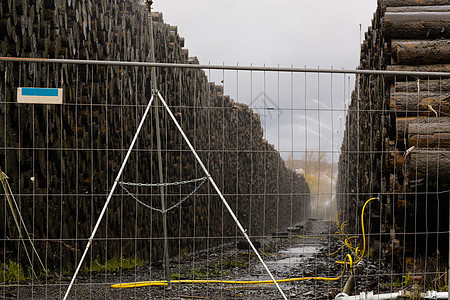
(296, 155)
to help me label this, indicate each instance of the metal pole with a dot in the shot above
(109, 196)
(158, 145)
(211, 180)
(219, 67)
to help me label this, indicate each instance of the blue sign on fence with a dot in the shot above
(39, 95)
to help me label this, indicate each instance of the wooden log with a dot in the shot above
(3, 24)
(401, 129)
(439, 8)
(423, 132)
(398, 3)
(429, 168)
(428, 164)
(157, 16)
(421, 52)
(437, 86)
(422, 68)
(419, 103)
(415, 25)
(429, 134)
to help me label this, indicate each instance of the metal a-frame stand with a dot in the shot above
(157, 95)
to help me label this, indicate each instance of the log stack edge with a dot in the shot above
(62, 159)
(396, 145)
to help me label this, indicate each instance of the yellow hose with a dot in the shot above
(364, 237)
(362, 225)
(343, 225)
(348, 260)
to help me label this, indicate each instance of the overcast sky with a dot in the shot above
(285, 32)
(300, 33)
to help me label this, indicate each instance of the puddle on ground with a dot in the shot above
(295, 255)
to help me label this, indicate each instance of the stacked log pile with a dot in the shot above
(397, 141)
(62, 160)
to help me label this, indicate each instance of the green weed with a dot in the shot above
(114, 264)
(408, 281)
(12, 272)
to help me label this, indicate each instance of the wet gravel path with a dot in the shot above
(302, 255)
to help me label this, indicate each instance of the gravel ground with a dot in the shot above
(286, 258)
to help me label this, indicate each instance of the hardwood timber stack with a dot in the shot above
(62, 160)
(397, 141)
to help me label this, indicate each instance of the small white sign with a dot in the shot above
(39, 95)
